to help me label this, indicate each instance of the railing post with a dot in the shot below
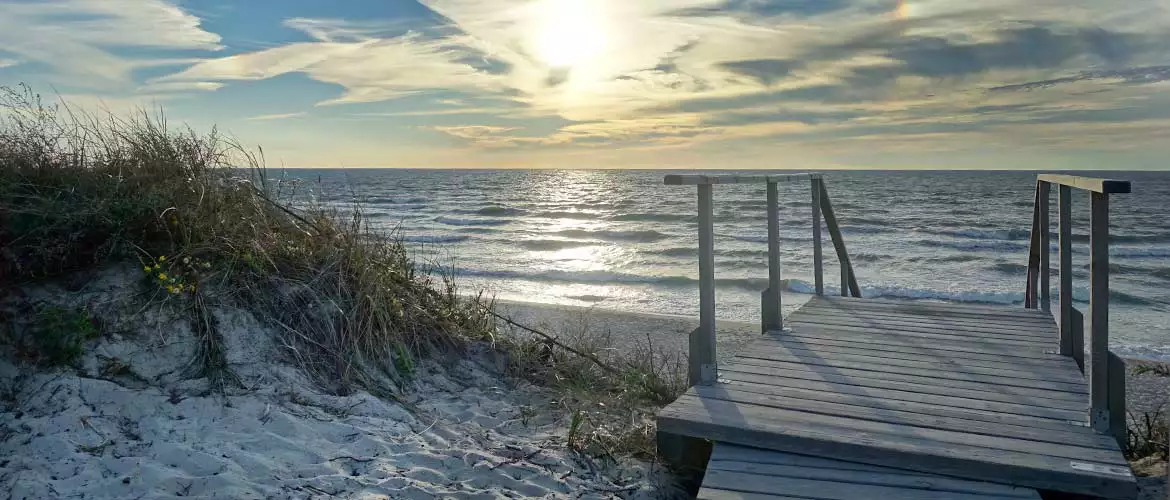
(1065, 290)
(1076, 332)
(772, 315)
(818, 256)
(702, 366)
(1030, 298)
(848, 280)
(1117, 399)
(1043, 196)
(1098, 365)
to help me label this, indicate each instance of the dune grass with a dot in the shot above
(208, 225)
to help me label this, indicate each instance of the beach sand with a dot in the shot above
(133, 422)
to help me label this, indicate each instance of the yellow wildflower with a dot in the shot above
(162, 276)
(170, 289)
(147, 269)
(162, 258)
(156, 267)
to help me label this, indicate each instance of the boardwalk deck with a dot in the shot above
(737, 472)
(971, 392)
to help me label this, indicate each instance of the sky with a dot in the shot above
(694, 84)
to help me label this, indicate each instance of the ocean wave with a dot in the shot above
(654, 217)
(643, 236)
(479, 230)
(1139, 252)
(495, 211)
(763, 239)
(1000, 234)
(566, 214)
(386, 200)
(868, 221)
(975, 245)
(1009, 268)
(870, 257)
(454, 221)
(434, 238)
(552, 245)
(865, 230)
(1163, 272)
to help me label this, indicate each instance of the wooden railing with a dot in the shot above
(1105, 371)
(703, 367)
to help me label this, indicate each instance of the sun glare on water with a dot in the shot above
(569, 33)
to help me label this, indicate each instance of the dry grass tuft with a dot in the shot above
(611, 391)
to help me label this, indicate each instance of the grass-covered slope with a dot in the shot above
(204, 223)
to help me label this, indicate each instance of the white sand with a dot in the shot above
(146, 432)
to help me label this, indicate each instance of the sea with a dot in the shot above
(622, 240)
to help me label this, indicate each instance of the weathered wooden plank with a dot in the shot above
(939, 406)
(1063, 400)
(974, 349)
(931, 356)
(1064, 255)
(928, 308)
(1097, 367)
(981, 320)
(1087, 183)
(818, 255)
(907, 334)
(869, 369)
(757, 483)
(953, 421)
(700, 180)
(923, 450)
(1043, 333)
(768, 384)
(784, 351)
(779, 465)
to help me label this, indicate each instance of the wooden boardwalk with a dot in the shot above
(737, 472)
(970, 392)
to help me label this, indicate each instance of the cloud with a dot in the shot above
(683, 73)
(277, 116)
(83, 39)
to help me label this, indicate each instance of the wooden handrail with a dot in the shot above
(692, 180)
(702, 366)
(1092, 184)
(1105, 373)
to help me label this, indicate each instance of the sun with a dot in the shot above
(569, 33)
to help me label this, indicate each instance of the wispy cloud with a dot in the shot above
(604, 76)
(79, 38)
(277, 116)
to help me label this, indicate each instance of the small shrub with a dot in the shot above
(1147, 435)
(57, 336)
